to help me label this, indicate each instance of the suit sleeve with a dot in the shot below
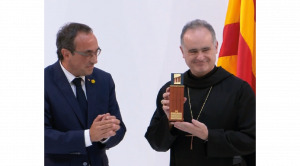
(114, 110)
(242, 140)
(57, 142)
(158, 134)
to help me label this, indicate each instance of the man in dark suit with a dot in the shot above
(82, 116)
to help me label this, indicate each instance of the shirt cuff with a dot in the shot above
(87, 138)
(104, 141)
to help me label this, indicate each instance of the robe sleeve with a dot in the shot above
(237, 142)
(158, 134)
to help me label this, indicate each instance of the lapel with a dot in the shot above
(63, 84)
(91, 97)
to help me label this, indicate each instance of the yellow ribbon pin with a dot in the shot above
(93, 81)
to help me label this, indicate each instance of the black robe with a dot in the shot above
(229, 114)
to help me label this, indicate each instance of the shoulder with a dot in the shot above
(101, 73)
(49, 71)
(163, 88)
(166, 85)
(49, 77)
(236, 81)
(230, 79)
(238, 84)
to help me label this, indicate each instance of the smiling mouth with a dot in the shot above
(200, 62)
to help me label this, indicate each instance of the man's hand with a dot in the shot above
(114, 121)
(195, 128)
(104, 126)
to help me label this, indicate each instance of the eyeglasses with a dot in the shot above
(90, 55)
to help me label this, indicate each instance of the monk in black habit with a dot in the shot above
(219, 108)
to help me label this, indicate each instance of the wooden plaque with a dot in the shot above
(176, 98)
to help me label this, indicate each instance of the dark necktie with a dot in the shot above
(81, 97)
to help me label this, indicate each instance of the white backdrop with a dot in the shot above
(140, 48)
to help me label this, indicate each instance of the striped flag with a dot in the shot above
(238, 53)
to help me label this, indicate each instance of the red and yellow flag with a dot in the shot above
(238, 53)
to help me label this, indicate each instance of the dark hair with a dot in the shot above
(66, 35)
(198, 24)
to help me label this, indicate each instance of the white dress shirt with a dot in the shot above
(70, 78)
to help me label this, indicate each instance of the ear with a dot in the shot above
(66, 53)
(181, 51)
(217, 46)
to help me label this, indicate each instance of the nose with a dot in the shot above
(200, 56)
(94, 59)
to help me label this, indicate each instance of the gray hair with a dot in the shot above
(198, 24)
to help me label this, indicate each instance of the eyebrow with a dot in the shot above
(194, 49)
(205, 48)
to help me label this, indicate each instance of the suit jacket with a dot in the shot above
(64, 122)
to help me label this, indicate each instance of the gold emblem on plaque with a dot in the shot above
(177, 79)
(176, 115)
